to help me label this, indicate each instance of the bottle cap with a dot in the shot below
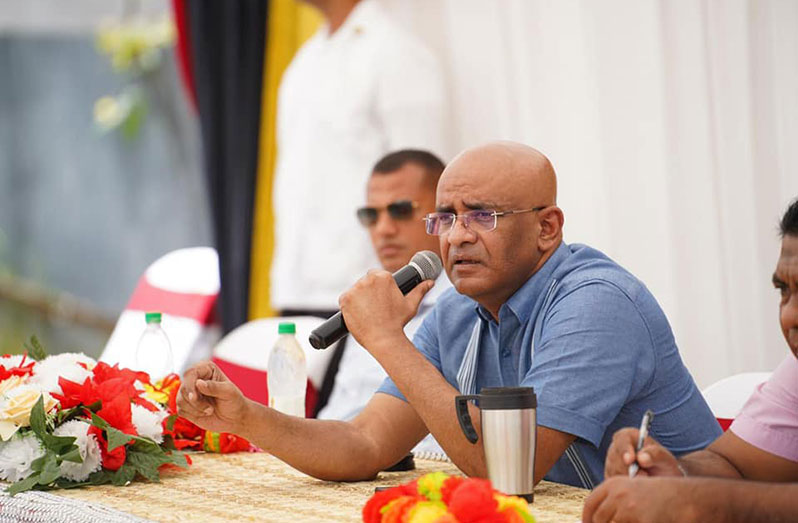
(286, 328)
(152, 317)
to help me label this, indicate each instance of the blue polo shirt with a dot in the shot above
(593, 342)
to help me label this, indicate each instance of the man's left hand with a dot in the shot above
(374, 308)
(644, 500)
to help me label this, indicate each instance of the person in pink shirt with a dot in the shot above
(750, 473)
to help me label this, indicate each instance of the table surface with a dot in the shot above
(259, 487)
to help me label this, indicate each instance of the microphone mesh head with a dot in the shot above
(429, 264)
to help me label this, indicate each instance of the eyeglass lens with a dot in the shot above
(481, 220)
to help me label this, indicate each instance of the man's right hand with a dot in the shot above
(209, 399)
(653, 458)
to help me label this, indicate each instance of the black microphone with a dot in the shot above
(425, 265)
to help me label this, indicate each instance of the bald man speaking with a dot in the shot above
(526, 310)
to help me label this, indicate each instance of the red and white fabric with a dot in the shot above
(184, 286)
(244, 352)
(727, 396)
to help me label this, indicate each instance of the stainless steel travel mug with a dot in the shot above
(509, 429)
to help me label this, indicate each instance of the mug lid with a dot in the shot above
(507, 398)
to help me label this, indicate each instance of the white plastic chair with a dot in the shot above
(183, 285)
(244, 352)
(727, 396)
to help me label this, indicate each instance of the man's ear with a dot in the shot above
(551, 222)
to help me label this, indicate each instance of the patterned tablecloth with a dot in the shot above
(258, 487)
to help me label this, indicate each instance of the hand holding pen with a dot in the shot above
(632, 452)
(645, 425)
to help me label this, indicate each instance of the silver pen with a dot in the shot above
(644, 426)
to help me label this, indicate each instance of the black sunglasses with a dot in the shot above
(398, 210)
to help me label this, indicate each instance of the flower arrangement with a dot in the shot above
(440, 498)
(67, 421)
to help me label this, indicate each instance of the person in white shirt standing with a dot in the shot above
(360, 87)
(400, 192)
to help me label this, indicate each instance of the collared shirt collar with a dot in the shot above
(523, 300)
(358, 18)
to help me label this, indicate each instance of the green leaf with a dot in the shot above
(51, 470)
(168, 443)
(179, 459)
(146, 463)
(98, 422)
(170, 422)
(62, 416)
(123, 476)
(59, 444)
(72, 456)
(38, 420)
(146, 445)
(116, 438)
(35, 349)
(101, 477)
(23, 484)
(38, 423)
(132, 123)
(94, 407)
(37, 465)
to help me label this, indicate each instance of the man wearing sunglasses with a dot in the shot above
(400, 192)
(529, 310)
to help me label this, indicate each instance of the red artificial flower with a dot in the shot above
(112, 381)
(185, 434)
(20, 370)
(223, 442)
(110, 460)
(232, 443)
(169, 383)
(106, 384)
(117, 413)
(372, 508)
(399, 508)
(172, 466)
(449, 486)
(410, 488)
(74, 394)
(104, 372)
(472, 501)
(172, 405)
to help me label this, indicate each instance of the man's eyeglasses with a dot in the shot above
(398, 210)
(480, 220)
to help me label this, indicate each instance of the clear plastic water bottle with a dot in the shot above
(287, 373)
(154, 352)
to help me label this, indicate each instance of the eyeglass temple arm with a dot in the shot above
(502, 213)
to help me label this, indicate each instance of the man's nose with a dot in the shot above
(385, 225)
(460, 234)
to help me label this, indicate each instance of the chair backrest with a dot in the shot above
(244, 353)
(183, 285)
(727, 396)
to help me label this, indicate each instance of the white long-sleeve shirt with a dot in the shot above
(346, 100)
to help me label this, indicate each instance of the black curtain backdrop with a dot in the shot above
(227, 41)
